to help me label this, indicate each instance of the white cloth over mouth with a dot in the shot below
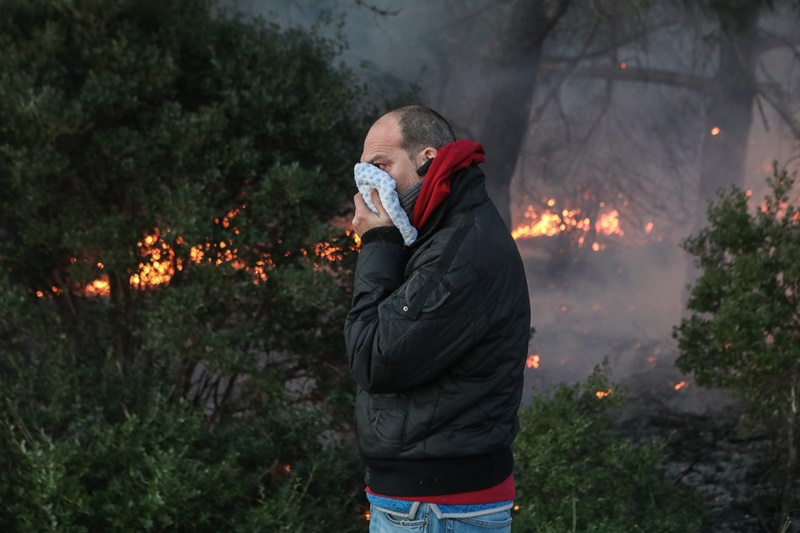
(370, 177)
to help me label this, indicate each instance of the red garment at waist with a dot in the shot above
(505, 491)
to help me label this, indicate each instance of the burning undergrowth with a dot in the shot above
(619, 303)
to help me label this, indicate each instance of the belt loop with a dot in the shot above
(412, 513)
(436, 511)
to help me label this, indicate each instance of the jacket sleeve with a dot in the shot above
(401, 334)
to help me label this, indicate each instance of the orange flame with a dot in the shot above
(99, 287)
(603, 394)
(609, 224)
(549, 223)
(159, 261)
(533, 361)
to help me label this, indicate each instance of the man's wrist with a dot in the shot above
(382, 233)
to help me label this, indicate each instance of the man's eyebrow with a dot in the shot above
(373, 159)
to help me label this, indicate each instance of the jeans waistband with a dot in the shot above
(408, 509)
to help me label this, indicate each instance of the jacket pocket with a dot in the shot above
(390, 418)
(434, 297)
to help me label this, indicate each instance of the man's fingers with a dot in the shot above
(376, 201)
(363, 209)
(359, 201)
(364, 219)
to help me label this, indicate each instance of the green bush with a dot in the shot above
(743, 327)
(577, 474)
(76, 455)
(170, 325)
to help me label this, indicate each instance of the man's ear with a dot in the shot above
(430, 152)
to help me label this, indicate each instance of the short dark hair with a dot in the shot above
(421, 127)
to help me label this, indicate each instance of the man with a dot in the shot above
(437, 335)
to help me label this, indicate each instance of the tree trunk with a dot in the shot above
(509, 103)
(729, 112)
(121, 302)
(729, 102)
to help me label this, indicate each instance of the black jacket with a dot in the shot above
(437, 339)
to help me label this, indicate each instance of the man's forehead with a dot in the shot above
(384, 136)
(387, 128)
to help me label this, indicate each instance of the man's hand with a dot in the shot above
(364, 219)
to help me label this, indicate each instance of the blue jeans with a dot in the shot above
(428, 519)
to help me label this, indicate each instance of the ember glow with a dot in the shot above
(533, 361)
(57, 291)
(549, 221)
(98, 287)
(603, 394)
(159, 261)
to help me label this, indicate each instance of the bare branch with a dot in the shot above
(778, 99)
(772, 41)
(616, 44)
(377, 10)
(633, 74)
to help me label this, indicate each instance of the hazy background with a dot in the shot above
(594, 107)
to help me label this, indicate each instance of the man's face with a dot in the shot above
(382, 149)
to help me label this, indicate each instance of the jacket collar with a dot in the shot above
(467, 191)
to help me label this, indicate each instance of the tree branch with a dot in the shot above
(377, 10)
(635, 74)
(777, 98)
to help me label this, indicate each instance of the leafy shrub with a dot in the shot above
(77, 455)
(577, 474)
(170, 313)
(743, 328)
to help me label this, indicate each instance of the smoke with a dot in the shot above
(636, 146)
(615, 304)
(389, 45)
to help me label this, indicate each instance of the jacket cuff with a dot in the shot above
(388, 234)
